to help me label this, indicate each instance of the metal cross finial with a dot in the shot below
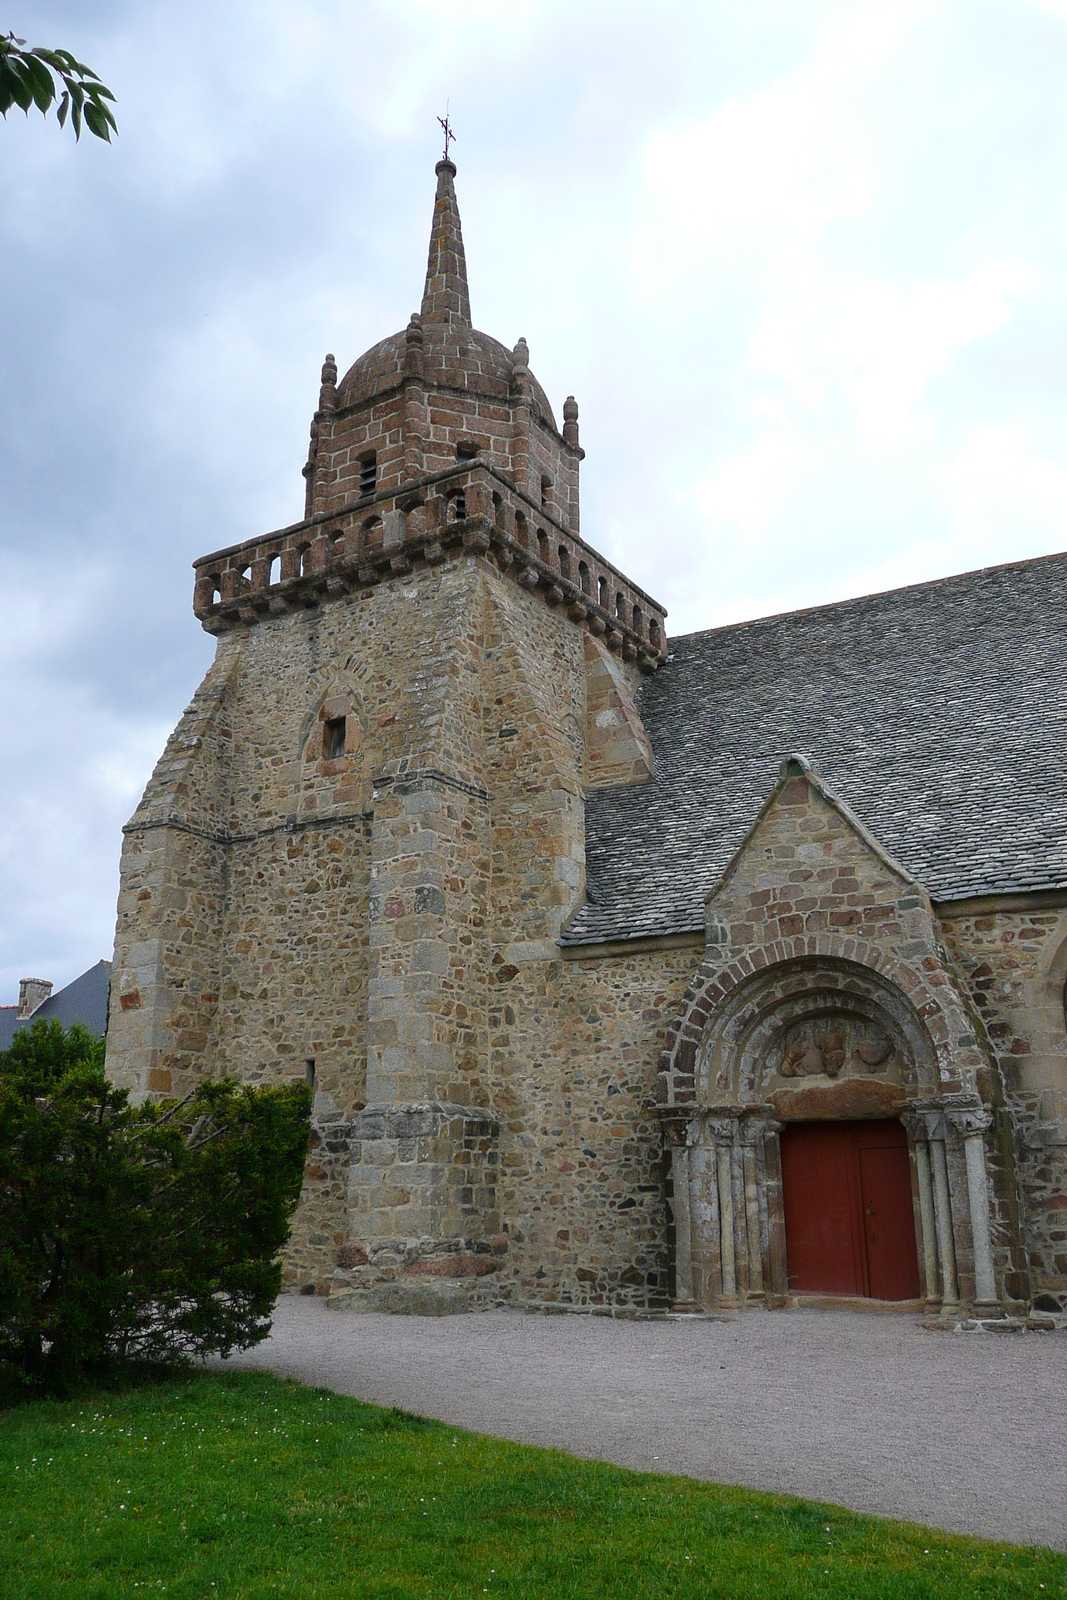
(448, 130)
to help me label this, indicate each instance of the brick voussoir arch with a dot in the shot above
(711, 985)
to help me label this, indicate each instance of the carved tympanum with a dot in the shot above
(825, 1047)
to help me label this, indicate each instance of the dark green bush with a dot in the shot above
(129, 1234)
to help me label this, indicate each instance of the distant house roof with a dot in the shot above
(937, 712)
(85, 1001)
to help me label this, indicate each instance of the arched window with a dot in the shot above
(583, 577)
(543, 548)
(522, 530)
(274, 569)
(244, 579)
(639, 621)
(546, 492)
(620, 606)
(602, 592)
(215, 580)
(654, 637)
(564, 560)
(304, 556)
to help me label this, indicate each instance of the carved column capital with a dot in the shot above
(970, 1118)
(757, 1124)
(676, 1131)
(926, 1120)
(721, 1124)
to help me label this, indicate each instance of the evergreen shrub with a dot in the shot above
(135, 1234)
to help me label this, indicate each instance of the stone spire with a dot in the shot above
(446, 297)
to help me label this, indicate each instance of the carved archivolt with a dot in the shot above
(820, 1019)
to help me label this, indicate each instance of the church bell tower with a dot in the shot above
(353, 861)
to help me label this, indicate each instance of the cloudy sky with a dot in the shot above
(803, 263)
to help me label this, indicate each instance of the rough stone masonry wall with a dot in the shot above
(582, 1191)
(1015, 966)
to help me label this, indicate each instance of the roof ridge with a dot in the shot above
(876, 594)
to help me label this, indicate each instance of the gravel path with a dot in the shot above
(962, 1431)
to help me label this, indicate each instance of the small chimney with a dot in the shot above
(33, 992)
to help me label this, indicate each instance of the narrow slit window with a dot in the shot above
(368, 475)
(459, 506)
(335, 738)
(546, 493)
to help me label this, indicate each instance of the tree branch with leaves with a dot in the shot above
(35, 78)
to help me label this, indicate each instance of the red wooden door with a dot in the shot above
(888, 1219)
(849, 1224)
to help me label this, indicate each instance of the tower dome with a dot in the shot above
(455, 354)
(481, 397)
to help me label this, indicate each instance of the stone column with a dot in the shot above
(917, 1128)
(971, 1123)
(775, 1273)
(724, 1177)
(677, 1133)
(756, 1129)
(946, 1245)
(723, 1130)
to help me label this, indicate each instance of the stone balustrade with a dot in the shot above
(468, 508)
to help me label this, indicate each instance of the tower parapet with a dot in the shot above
(469, 508)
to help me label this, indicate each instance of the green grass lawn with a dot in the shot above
(240, 1484)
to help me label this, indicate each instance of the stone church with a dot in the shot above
(629, 972)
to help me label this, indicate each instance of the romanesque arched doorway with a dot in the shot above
(835, 1046)
(848, 1209)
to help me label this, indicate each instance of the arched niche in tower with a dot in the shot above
(332, 748)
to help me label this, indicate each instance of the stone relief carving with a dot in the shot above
(826, 1047)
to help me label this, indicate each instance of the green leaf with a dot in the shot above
(97, 122)
(63, 108)
(44, 90)
(19, 84)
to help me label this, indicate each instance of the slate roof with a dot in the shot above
(84, 1000)
(937, 712)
